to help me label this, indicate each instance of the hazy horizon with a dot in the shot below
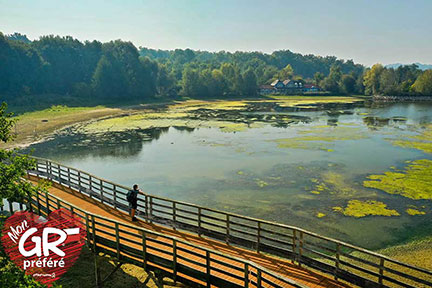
(387, 31)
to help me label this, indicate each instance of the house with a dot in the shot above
(287, 84)
(284, 87)
(310, 88)
(292, 84)
(278, 84)
(267, 89)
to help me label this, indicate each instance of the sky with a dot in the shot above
(367, 31)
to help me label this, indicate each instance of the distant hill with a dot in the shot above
(420, 66)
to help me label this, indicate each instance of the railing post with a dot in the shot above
(174, 215)
(175, 260)
(259, 284)
(10, 207)
(227, 229)
(294, 246)
(95, 254)
(38, 203)
(101, 190)
(87, 229)
(300, 247)
(151, 208)
(146, 207)
(69, 177)
(144, 250)
(199, 221)
(337, 261)
(47, 203)
(246, 275)
(381, 271)
(115, 196)
(90, 186)
(79, 181)
(48, 170)
(117, 240)
(59, 174)
(208, 275)
(94, 234)
(58, 204)
(258, 237)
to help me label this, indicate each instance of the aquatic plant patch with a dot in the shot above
(414, 182)
(422, 141)
(358, 209)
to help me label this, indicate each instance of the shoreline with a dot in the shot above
(37, 126)
(383, 98)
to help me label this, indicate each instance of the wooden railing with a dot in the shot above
(342, 260)
(175, 258)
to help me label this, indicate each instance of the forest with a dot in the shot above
(54, 67)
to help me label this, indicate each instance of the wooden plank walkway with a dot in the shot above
(281, 266)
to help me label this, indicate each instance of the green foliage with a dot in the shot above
(286, 73)
(423, 84)
(332, 81)
(65, 66)
(12, 276)
(371, 79)
(318, 77)
(348, 84)
(225, 81)
(117, 71)
(6, 123)
(13, 166)
(264, 65)
(388, 81)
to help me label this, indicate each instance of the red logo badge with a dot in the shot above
(44, 248)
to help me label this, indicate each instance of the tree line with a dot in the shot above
(404, 80)
(55, 66)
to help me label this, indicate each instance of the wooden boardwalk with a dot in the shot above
(205, 247)
(281, 266)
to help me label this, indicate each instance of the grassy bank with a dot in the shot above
(417, 252)
(33, 126)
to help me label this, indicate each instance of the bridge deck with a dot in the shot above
(281, 266)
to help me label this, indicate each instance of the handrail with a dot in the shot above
(88, 216)
(299, 245)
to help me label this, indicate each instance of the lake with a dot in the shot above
(303, 165)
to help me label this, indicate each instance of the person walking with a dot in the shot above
(132, 198)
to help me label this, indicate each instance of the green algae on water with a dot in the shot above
(415, 182)
(413, 211)
(261, 183)
(422, 142)
(358, 209)
(423, 146)
(334, 184)
(320, 138)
